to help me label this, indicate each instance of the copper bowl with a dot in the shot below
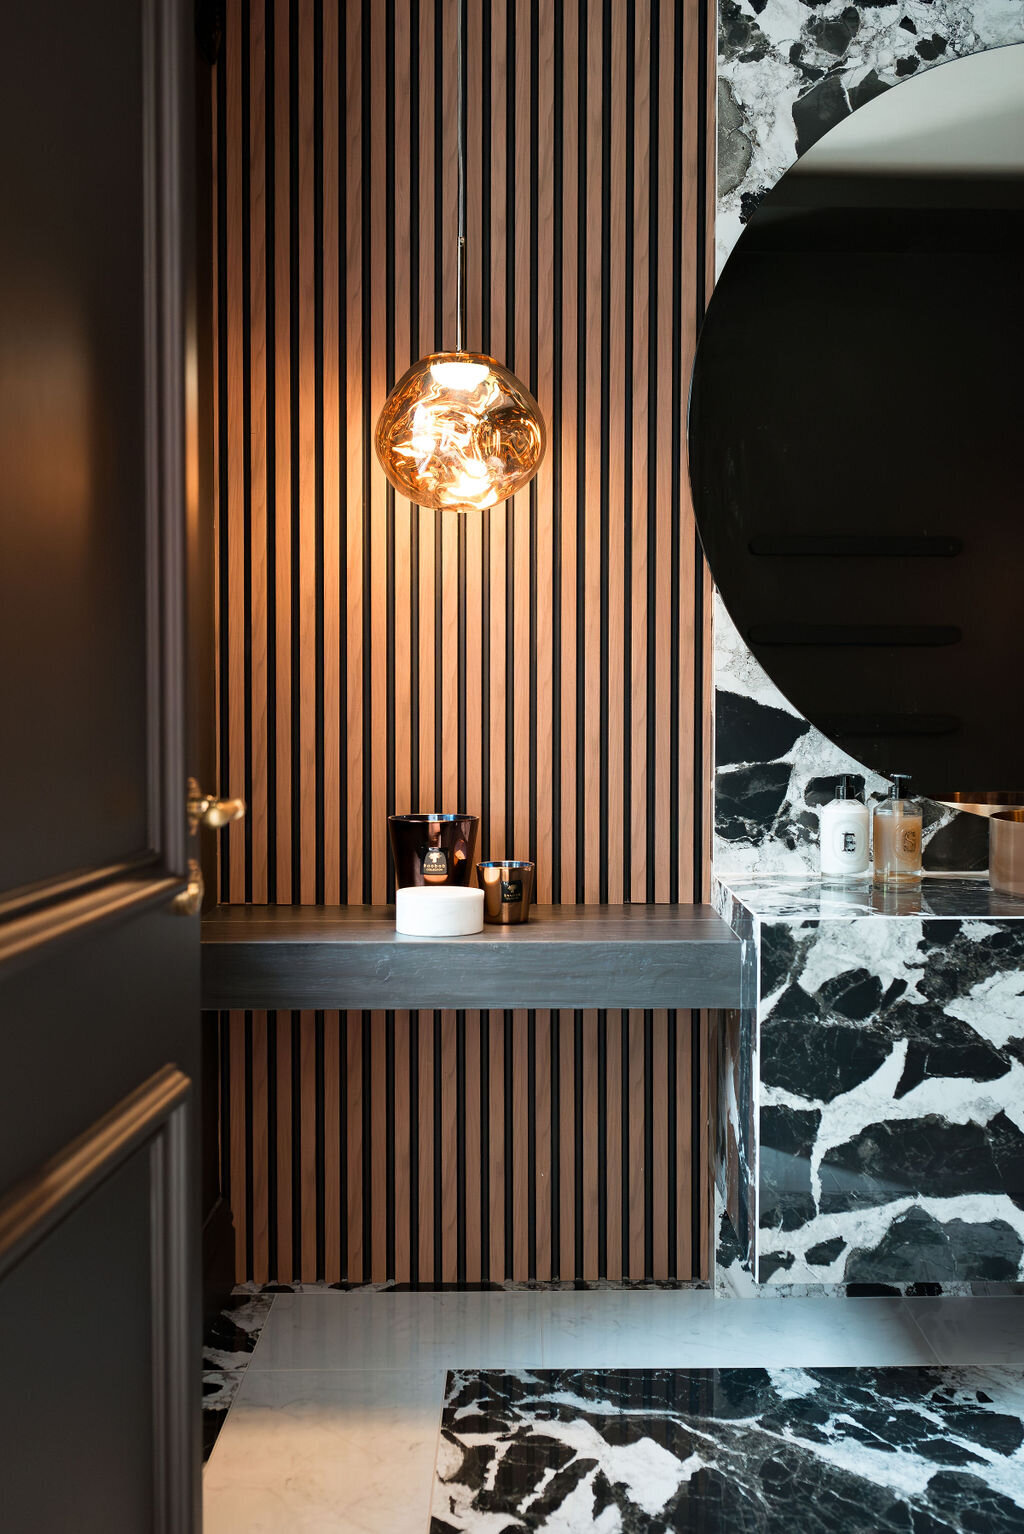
(432, 849)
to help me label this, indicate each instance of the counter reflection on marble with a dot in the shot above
(743, 1450)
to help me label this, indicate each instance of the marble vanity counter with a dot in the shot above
(871, 1124)
(952, 896)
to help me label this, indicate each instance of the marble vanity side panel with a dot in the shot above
(787, 72)
(736, 1179)
(891, 1102)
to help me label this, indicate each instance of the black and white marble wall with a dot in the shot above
(874, 1088)
(788, 70)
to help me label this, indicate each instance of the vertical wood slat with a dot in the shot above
(535, 1180)
(389, 635)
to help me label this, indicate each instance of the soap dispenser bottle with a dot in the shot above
(844, 835)
(897, 835)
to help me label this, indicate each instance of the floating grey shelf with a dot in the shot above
(350, 957)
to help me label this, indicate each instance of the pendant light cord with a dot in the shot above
(461, 296)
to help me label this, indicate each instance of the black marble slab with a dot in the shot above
(732, 1451)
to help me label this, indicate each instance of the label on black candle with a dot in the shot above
(435, 861)
(511, 891)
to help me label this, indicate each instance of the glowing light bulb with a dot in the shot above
(459, 432)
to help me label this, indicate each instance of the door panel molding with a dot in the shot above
(41, 926)
(154, 1117)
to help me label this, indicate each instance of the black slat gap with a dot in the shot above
(581, 441)
(555, 1057)
(341, 554)
(389, 1142)
(648, 1146)
(223, 670)
(250, 1130)
(629, 223)
(367, 1105)
(318, 453)
(460, 1146)
(653, 450)
(368, 722)
(602, 1144)
(414, 349)
(678, 408)
(577, 1124)
(295, 527)
(534, 184)
(696, 1158)
(509, 1203)
(485, 1147)
(673, 1159)
(624, 1092)
(555, 458)
(344, 1023)
(246, 403)
(320, 1155)
(270, 386)
(414, 1147)
(531, 1144)
(605, 439)
(389, 379)
(438, 1182)
(512, 679)
(271, 1128)
(297, 1137)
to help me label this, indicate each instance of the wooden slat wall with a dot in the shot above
(543, 664)
(464, 1147)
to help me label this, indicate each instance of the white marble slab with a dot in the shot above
(303, 1452)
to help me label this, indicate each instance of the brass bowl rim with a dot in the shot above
(507, 863)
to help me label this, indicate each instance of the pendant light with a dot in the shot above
(459, 432)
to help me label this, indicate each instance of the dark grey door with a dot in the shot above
(99, 1021)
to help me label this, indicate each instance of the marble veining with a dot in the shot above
(872, 1090)
(788, 70)
(646, 1451)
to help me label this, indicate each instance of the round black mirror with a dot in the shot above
(856, 428)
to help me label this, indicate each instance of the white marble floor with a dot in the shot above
(335, 1425)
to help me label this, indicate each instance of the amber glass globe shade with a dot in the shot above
(459, 432)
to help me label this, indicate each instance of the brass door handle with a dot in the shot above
(205, 810)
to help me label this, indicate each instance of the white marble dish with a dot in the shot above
(446, 912)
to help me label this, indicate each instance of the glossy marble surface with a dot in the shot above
(227, 1350)
(306, 1451)
(851, 1450)
(872, 1085)
(808, 898)
(346, 1442)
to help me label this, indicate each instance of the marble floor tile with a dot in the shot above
(732, 1451)
(971, 1330)
(306, 1452)
(650, 1330)
(228, 1349)
(389, 1330)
